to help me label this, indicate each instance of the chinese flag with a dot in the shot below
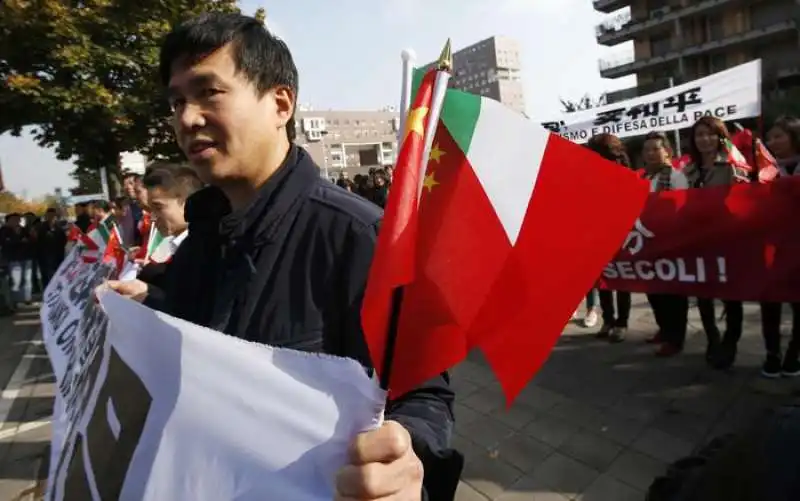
(393, 262)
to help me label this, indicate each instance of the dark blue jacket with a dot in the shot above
(290, 270)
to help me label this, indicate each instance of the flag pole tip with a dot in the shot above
(408, 55)
(445, 62)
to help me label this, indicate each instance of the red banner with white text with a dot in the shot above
(737, 242)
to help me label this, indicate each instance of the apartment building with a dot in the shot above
(689, 39)
(490, 68)
(348, 141)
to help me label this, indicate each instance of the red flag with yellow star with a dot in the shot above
(393, 263)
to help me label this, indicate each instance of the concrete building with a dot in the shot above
(490, 68)
(348, 141)
(689, 39)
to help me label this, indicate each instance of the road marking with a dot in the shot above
(17, 381)
(23, 428)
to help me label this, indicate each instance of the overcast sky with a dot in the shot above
(348, 56)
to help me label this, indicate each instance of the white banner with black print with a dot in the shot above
(733, 94)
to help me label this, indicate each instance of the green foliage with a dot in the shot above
(84, 74)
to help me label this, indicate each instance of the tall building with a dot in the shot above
(690, 39)
(348, 141)
(490, 68)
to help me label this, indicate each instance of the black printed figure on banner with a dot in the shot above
(683, 99)
(554, 126)
(606, 117)
(644, 110)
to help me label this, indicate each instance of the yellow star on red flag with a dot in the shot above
(436, 154)
(429, 182)
(416, 121)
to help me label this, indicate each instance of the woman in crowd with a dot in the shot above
(615, 320)
(670, 310)
(591, 318)
(783, 139)
(710, 167)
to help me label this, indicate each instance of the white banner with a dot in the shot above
(729, 95)
(163, 409)
(69, 320)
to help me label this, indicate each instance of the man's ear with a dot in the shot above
(284, 104)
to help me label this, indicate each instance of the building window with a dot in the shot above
(717, 62)
(660, 45)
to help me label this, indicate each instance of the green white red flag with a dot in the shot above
(514, 225)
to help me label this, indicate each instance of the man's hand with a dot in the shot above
(131, 289)
(382, 466)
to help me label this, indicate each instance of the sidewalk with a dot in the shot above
(600, 421)
(25, 407)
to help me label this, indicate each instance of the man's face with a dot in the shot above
(130, 187)
(13, 222)
(222, 124)
(141, 194)
(167, 209)
(50, 216)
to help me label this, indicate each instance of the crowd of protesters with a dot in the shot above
(710, 165)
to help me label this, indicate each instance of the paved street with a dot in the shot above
(598, 423)
(25, 408)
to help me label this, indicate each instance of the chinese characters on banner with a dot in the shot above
(732, 94)
(720, 242)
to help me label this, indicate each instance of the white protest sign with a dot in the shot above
(177, 411)
(733, 94)
(69, 329)
(64, 302)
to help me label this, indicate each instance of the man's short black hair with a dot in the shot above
(263, 58)
(177, 180)
(102, 205)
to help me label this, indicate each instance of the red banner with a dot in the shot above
(737, 242)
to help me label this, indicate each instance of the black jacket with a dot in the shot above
(290, 270)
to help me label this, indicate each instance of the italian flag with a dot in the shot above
(513, 226)
(159, 248)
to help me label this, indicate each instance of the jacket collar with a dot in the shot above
(261, 219)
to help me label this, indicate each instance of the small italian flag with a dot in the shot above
(159, 247)
(513, 226)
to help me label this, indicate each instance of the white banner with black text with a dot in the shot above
(733, 94)
(153, 408)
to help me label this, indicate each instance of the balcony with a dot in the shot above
(609, 6)
(627, 65)
(623, 28)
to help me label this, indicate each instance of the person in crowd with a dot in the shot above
(135, 191)
(615, 320)
(16, 244)
(101, 210)
(168, 187)
(31, 222)
(122, 209)
(670, 311)
(83, 217)
(381, 191)
(51, 243)
(277, 255)
(710, 167)
(591, 318)
(783, 140)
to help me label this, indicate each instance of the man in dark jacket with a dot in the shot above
(276, 254)
(51, 243)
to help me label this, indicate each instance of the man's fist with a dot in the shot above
(131, 289)
(382, 466)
